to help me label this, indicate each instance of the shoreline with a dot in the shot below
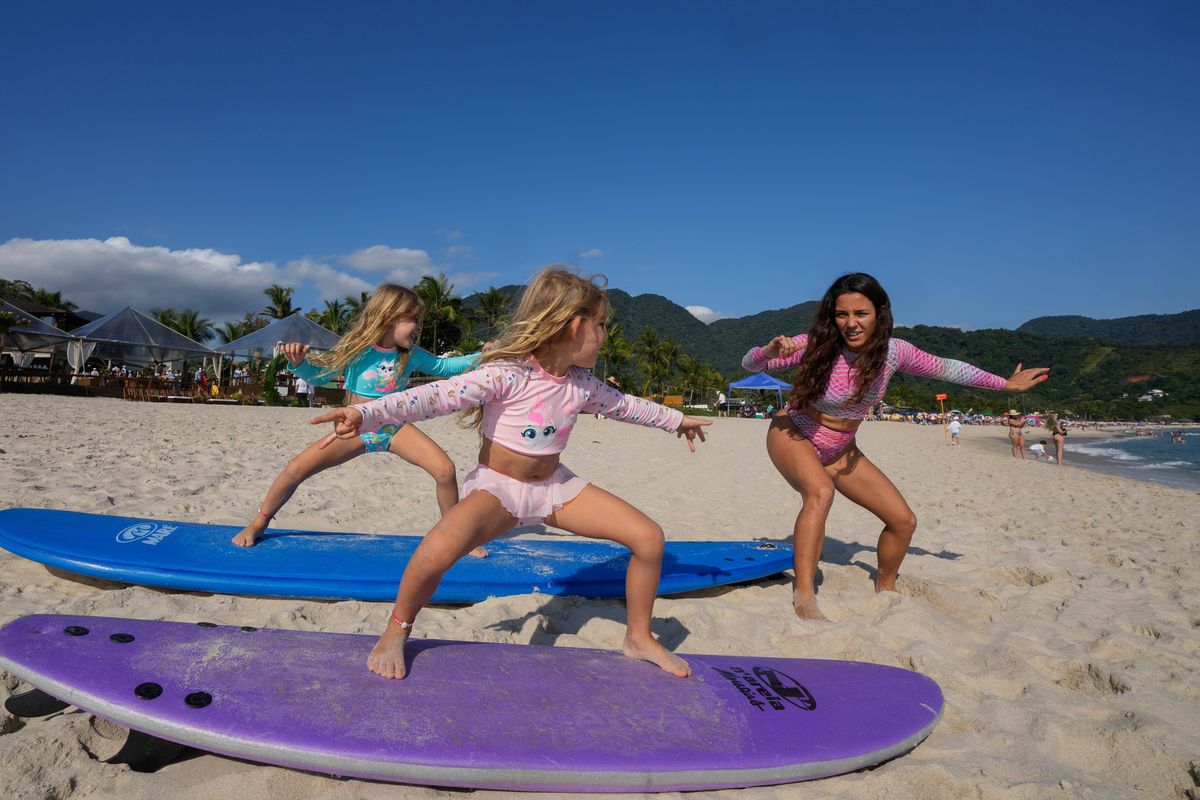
(1082, 460)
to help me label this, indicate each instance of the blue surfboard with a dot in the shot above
(354, 566)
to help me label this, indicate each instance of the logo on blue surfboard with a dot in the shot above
(146, 533)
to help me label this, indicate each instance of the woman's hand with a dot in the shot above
(691, 427)
(346, 422)
(295, 353)
(779, 347)
(1022, 380)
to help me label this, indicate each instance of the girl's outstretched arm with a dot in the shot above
(299, 365)
(442, 398)
(421, 360)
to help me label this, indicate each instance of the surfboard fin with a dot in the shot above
(146, 753)
(33, 703)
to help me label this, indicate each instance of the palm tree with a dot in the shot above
(280, 306)
(229, 331)
(194, 326)
(354, 307)
(166, 316)
(692, 376)
(669, 354)
(52, 299)
(437, 295)
(493, 306)
(334, 316)
(616, 349)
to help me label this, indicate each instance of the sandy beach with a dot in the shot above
(1050, 604)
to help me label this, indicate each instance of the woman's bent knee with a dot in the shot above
(819, 498)
(906, 525)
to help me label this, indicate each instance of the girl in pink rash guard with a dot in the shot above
(843, 365)
(531, 387)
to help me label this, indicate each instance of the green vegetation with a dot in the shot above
(1164, 329)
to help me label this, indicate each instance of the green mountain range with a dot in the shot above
(1168, 329)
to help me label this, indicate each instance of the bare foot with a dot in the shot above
(806, 608)
(387, 656)
(655, 653)
(888, 585)
(249, 535)
(478, 552)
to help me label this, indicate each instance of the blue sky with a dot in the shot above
(988, 162)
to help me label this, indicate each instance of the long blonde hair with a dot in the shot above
(389, 302)
(556, 296)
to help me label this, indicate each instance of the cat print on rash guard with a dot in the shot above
(382, 377)
(540, 429)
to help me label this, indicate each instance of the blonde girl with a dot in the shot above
(531, 388)
(377, 357)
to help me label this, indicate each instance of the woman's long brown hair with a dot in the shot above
(825, 342)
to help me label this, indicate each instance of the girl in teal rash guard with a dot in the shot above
(376, 357)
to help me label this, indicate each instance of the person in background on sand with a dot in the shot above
(1058, 434)
(843, 365)
(955, 430)
(1039, 451)
(377, 357)
(1015, 423)
(302, 390)
(531, 388)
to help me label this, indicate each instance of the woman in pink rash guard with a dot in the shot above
(843, 365)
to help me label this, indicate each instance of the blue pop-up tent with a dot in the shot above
(761, 380)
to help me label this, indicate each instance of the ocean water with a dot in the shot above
(1146, 458)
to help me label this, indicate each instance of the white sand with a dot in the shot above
(1052, 605)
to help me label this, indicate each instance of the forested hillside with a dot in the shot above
(1168, 329)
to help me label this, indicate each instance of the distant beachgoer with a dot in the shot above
(722, 406)
(302, 390)
(1016, 427)
(1058, 433)
(1039, 451)
(843, 366)
(377, 356)
(955, 429)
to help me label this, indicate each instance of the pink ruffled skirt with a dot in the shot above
(530, 502)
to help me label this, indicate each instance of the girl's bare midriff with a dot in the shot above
(520, 466)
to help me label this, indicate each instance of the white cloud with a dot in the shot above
(449, 234)
(595, 252)
(706, 314)
(329, 283)
(106, 276)
(463, 251)
(396, 261)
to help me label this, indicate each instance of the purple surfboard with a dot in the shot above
(478, 715)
